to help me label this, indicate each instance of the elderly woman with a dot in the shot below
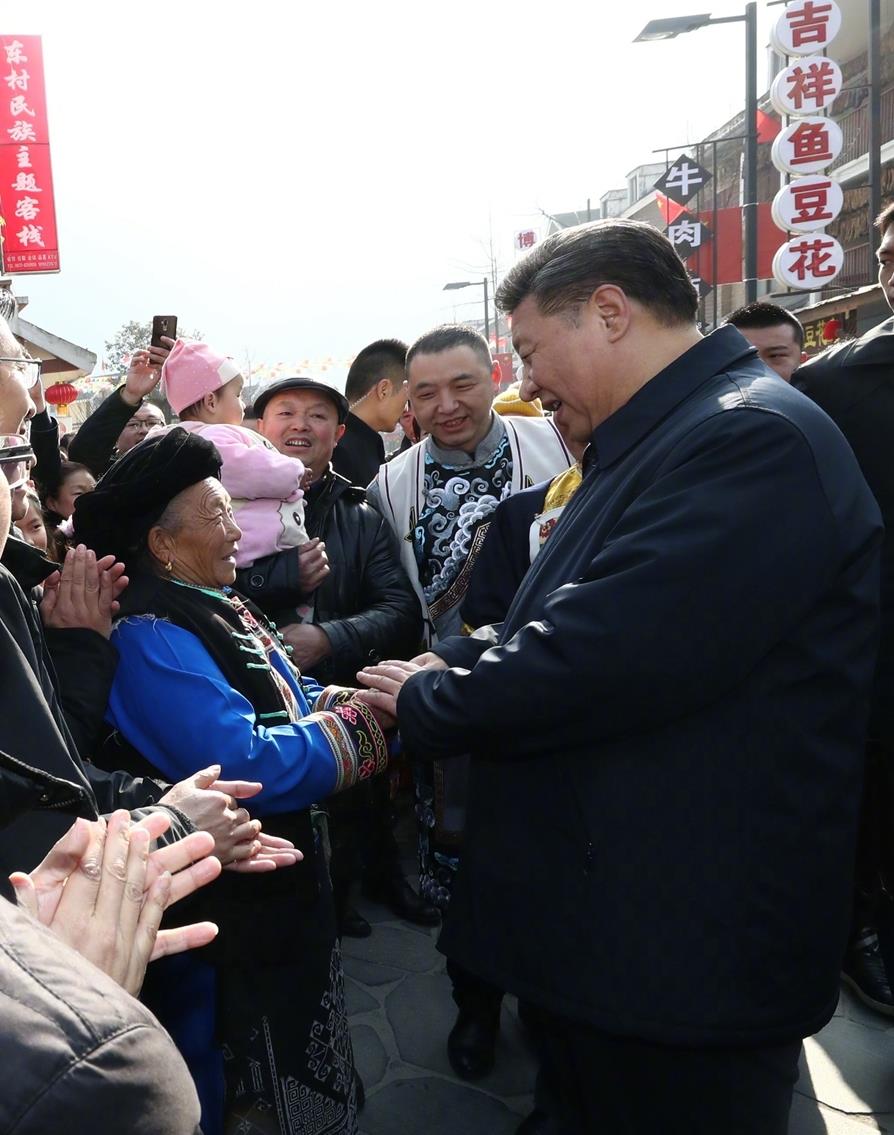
(201, 673)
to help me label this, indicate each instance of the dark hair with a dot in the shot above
(885, 219)
(763, 314)
(377, 361)
(445, 338)
(66, 469)
(564, 270)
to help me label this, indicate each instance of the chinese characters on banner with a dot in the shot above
(27, 210)
(805, 91)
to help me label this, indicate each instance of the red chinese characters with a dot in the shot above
(809, 24)
(27, 208)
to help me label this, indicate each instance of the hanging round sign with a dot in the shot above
(806, 26)
(807, 204)
(807, 145)
(808, 262)
(807, 86)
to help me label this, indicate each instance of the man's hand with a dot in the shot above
(429, 661)
(101, 891)
(144, 372)
(313, 565)
(238, 841)
(309, 644)
(84, 593)
(384, 683)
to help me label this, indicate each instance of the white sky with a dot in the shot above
(298, 179)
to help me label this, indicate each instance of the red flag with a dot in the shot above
(670, 210)
(767, 126)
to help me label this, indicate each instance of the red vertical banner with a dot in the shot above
(27, 208)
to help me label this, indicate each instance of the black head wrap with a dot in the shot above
(129, 499)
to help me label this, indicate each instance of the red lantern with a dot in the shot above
(831, 330)
(60, 394)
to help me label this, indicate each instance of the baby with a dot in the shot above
(205, 390)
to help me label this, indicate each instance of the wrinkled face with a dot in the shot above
(777, 347)
(303, 424)
(16, 406)
(202, 546)
(144, 420)
(885, 256)
(230, 407)
(564, 365)
(451, 394)
(32, 527)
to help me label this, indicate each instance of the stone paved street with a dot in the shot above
(401, 1011)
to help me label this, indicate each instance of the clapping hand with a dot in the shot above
(239, 842)
(103, 892)
(84, 593)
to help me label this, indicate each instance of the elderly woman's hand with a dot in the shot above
(102, 891)
(239, 842)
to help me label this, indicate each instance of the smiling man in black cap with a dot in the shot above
(342, 600)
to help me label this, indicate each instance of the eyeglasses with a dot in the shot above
(25, 368)
(16, 459)
(144, 424)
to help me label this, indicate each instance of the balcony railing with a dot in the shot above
(859, 267)
(855, 128)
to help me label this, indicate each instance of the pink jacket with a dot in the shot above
(265, 487)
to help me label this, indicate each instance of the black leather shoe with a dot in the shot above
(399, 896)
(537, 1123)
(354, 925)
(470, 1045)
(864, 971)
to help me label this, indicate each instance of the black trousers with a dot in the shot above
(473, 995)
(607, 1084)
(361, 835)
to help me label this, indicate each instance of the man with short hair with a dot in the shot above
(342, 599)
(666, 731)
(777, 334)
(376, 390)
(854, 383)
(439, 498)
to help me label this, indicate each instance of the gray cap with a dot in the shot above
(285, 384)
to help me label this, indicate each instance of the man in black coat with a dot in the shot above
(854, 384)
(343, 601)
(667, 730)
(376, 390)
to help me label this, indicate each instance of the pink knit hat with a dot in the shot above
(193, 370)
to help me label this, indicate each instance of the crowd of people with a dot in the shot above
(620, 636)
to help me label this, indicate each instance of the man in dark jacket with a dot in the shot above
(667, 732)
(376, 390)
(344, 601)
(854, 384)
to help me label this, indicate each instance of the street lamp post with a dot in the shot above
(475, 284)
(673, 26)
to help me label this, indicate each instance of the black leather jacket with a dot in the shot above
(366, 605)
